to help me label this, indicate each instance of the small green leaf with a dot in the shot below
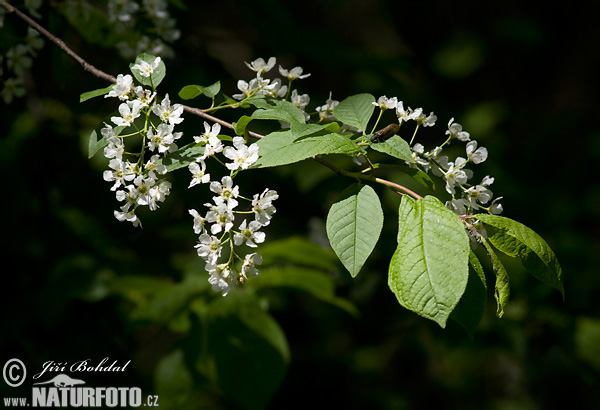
(470, 308)
(396, 147)
(240, 126)
(356, 110)
(157, 75)
(354, 224)
(182, 157)
(192, 91)
(95, 145)
(95, 93)
(281, 148)
(502, 287)
(430, 268)
(517, 240)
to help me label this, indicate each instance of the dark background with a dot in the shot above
(523, 80)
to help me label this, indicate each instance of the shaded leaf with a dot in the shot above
(182, 157)
(470, 308)
(502, 286)
(517, 240)
(95, 93)
(192, 91)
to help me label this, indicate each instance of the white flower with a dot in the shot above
(121, 171)
(428, 121)
(209, 133)
(248, 267)
(220, 277)
(478, 193)
(163, 139)
(208, 248)
(128, 216)
(262, 206)
(458, 206)
(496, 208)
(246, 88)
(406, 114)
(385, 103)
(221, 216)
(146, 69)
(129, 111)
(199, 175)
(293, 74)
(152, 166)
(115, 147)
(474, 154)
(227, 192)
(455, 131)
(168, 113)
(274, 88)
(418, 151)
(143, 95)
(300, 101)
(199, 221)
(326, 111)
(242, 156)
(249, 235)
(121, 88)
(260, 67)
(143, 191)
(455, 175)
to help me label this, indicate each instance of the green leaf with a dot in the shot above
(356, 110)
(281, 148)
(183, 157)
(273, 109)
(192, 91)
(354, 224)
(248, 347)
(157, 75)
(240, 126)
(470, 308)
(95, 145)
(429, 270)
(174, 381)
(502, 286)
(418, 175)
(517, 240)
(396, 147)
(95, 93)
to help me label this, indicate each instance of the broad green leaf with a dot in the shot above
(182, 157)
(515, 239)
(317, 283)
(300, 130)
(272, 109)
(355, 110)
(157, 75)
(470, 308)
(430, 268)
(419, 176)
(354, 224)
(240, 126)
(249, 349)
(502, 287)
(192, 91)
(396, 147)
(280, 148)
(95, 93)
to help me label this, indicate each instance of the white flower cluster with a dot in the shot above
(138, 182)
(217, 227)
(466, 197)
(273, 87)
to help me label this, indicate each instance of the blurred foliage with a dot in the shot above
(78, 284)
